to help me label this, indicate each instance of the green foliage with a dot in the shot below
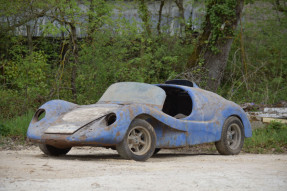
(24, 79)
(50, 29)
(272, 139)
(126, 56)
(16, 127)
(257, 67)
(4, 130)
(12, 103)
(144, 15)
(275, 125)
(222, 16)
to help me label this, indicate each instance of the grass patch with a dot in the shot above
(16, 128)
(272, 139)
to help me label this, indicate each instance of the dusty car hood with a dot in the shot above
(80, 116)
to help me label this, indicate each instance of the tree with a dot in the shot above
(213, 45)
(179, 4)
(19, 12)
(67, 14)
(160, 17)
(281, 6)
(145, 16)
(64, 17)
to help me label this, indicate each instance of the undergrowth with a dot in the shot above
(272, 139)
(16, 128)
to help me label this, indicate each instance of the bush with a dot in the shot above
(17, 126)
(4, 130)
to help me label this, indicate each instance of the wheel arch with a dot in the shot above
(166, 136)
(247, 131)
(149, 118)
(238, 117)
(237, 111)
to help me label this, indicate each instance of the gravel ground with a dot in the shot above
(103, 169)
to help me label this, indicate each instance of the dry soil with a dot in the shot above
(103, 169)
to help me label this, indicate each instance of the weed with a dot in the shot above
(272, 139)
(16, 127)
(4, 130)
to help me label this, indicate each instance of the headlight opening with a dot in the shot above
(111, 118)
(40, 114)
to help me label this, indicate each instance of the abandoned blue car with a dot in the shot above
(139, 119)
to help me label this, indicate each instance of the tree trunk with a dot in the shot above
(76, 60)
(200, 45)
(215, 65)
(179, 4)
(215, 61)
(91, 26)
(159, 17)
(30, 45)
(29, 38)
(145, 16)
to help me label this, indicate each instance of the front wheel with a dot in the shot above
(232, 137)
(53, 151)
(139, 142)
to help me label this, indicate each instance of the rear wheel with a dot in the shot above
(232, 137)
(53, 151)
(139, 141)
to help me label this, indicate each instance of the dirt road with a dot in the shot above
(102, 169)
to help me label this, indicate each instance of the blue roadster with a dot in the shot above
(139, 119)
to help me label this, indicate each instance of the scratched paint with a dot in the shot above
(69, 124)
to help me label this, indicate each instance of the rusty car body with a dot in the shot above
(139, 119)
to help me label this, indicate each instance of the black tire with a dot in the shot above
(53, 151)
(156, 151)
(232, 137)
(139, 142)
